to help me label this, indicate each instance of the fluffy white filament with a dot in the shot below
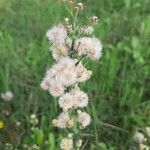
(91, 47)
(62, 120)
(57, 35)
(84, 118)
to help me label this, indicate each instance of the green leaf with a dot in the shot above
(39, 136)
(51, 141)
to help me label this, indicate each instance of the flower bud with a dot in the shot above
(54, 122)
(70, 135)
(78, 111)
(66, 21)
(94, 19)
(79, 143)
(33, 116)
(69, 28)
(70, 124)
(79, 6)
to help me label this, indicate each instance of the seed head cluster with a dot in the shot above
(63, 78)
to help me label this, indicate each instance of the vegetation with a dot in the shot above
(118, 89)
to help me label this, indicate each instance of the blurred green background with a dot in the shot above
(118, 89)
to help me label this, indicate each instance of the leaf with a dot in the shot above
(39, 136)
(51, 141)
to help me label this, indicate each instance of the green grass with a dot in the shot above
(118, 89)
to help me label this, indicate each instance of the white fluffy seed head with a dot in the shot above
(91, 47)
(66, 144)
(62, 120)
(66, 71)
(59, 51)
(80, 99)
(84, 118)
(45, 84)
(57, 34)
(66, 102)
(60, 75)
(7, 96)
(82, 73)
(139, 137)
(56, 88)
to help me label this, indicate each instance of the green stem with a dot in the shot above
(113, 127)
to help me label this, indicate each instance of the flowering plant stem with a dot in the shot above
(70, 45)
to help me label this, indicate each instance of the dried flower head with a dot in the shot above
(61, 121)
(57, 34)
(56, 88)
(82, 73)
(86, 30)
(7, 96)
(84, 118)
(91, 47)
(79, 6)
(79, 143)
(66, 144)
(80, 99)
(65, 71)
(94, 19)
(139, 137)
(59, 51)
(66, 102)
(63, 78)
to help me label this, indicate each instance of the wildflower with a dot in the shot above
(45, 84)
(66, 144)
(66, 102)
(82, 73)
(139, 137)
(34, 119)
(70, 135)
(91, 47)
(61, 121)
(94, 19)
(148, 131)
(57, 34)
(56, 88)
(66, 21)
(1, 124)
(84, 118)
(7, 96)
(79, 6)
(86, 29)
(79, 143)
(80, 99)
(70, 124)
(63, 78)
(59, 51)
(65, 71)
